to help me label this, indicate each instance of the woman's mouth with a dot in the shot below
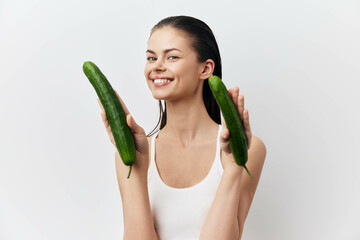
(161, 82)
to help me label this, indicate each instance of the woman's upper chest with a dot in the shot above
(181, 167)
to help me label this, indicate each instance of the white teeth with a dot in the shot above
(161, 80)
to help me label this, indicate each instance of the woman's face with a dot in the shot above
(170, 56)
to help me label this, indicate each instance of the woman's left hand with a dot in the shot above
(244, 116)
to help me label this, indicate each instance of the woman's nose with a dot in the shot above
(159, 66)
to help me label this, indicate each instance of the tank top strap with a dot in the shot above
(218, 165)
(152, 167)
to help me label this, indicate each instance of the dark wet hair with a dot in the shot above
(204, 43)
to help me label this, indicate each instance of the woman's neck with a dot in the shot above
(187, 121)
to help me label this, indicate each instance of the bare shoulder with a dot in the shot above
(257, 145)
(256, 152)
(256, 159)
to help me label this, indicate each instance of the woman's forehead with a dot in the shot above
(168, 37)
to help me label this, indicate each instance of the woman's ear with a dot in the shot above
(207, 68)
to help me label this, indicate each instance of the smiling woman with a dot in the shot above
(169, 49)
(185, 183)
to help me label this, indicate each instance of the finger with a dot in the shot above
(102, 107)
(247, 120)
(105, 120)
(248, 132)
(235, 95)
(224, 138)
(107, 126)
(224, 135)
(230, 90)
(123, 104)
(240, 101)
(133, 125)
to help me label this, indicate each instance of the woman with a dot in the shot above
(177, 189)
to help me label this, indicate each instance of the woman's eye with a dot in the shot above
(172, 57)
(150, 58)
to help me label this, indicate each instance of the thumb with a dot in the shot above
(225, 133)
(132, 124)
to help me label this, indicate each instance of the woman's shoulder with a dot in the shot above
(257, 147)
(258, 141)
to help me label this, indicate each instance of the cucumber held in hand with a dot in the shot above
(115, 114)
(238, 142)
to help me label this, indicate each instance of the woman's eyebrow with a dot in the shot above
(165, 51)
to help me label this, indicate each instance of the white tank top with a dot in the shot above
(179, 213)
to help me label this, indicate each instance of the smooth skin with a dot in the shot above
(189, 128)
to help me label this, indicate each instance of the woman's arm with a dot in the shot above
(138, 221)
(233, 198)
(255, 163)
(221, 221)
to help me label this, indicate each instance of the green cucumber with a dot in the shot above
(124, 139)
(237, 139)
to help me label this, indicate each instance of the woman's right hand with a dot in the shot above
(141, 142)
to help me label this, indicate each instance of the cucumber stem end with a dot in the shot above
(129, 171)
(248, 172)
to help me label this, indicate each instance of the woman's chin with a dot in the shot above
(160, 97)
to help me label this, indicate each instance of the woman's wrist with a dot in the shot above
(234, 172)
(232, 168)
(140, 167)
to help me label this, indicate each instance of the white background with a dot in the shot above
(296, 62)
